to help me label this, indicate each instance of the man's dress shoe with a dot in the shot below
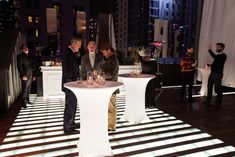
(69, 132)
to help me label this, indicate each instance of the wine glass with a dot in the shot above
(90, 78)
(102, 78)
(79, 80)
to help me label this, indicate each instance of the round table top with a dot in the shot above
(137, 76)
(84, 85)
(204, 69)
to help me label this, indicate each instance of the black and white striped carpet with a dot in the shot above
(37, 131)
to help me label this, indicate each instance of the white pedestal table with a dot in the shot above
(93, 102)
(204, 76)
(135, 96)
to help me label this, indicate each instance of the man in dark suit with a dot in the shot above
(26, 68)
(216, 74)
(91, 61)
(70, 72)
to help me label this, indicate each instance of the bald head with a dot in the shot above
(91, 46)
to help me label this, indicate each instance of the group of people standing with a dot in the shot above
(72, 70)
(76, 65)
(188, 65)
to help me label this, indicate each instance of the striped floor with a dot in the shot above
(37, 131)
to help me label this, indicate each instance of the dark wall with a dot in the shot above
(166, 74)
(170, 74)
(8, 40)
(9, 79)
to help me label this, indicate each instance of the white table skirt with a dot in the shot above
(93, 102)
(135, 97)
(204, 74)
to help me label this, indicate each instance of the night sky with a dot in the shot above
(101, 6)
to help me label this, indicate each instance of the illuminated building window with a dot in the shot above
(57, 8)
(30, 19)
(37, 33)
(37, 19)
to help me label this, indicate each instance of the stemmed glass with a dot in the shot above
(90, 78)
(79, 80)
(101, 80)
(137, 69)
(97, 78)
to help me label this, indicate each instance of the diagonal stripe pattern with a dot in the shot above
(38, 132)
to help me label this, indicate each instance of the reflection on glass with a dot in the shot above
(95, 78)
(89, 78)
(137, 70)
(101, 78)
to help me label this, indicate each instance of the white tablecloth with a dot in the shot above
(135, 97)
(203, 77)
(93, 102)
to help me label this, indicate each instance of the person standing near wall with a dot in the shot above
(216, 74)
(26, 68)
(188, 65)
(111, 68)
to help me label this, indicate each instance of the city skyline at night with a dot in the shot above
(133, 22)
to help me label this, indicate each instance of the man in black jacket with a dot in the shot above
(25, 65)
(216, 75)
(70, 72)
(111, 68)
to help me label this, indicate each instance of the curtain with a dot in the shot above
(218, 25)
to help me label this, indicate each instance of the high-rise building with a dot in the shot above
(138, 23)
(8, 15)
(100, 21)
(162, 13)
(131, 23)
(121, 25)
(182, 22)
(93, 28)
(52, 23)
(187, 25)
(135, 23)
